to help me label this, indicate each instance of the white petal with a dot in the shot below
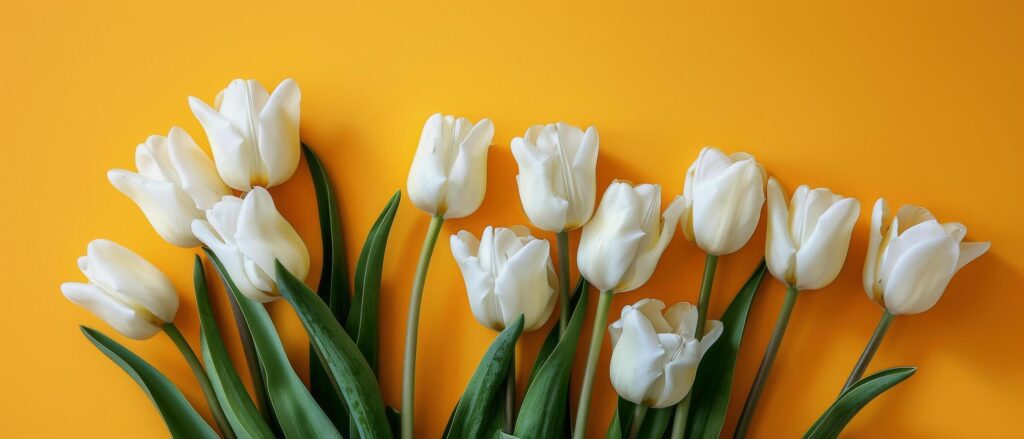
(970, 251)
(279, 133)
(637, 358)
(264, 235)
(584, 174)
(727, 208)
(122, 318)
(428, 174)
(547, 209)
(780, 251)
(920, 276)
(682, 317)
(467, 178)
(610, 241)
(648, 257)
(879, 216)
(822, 255)
(195, 172)
(231, 258)
(134, 279)
(232, 153)
(522, 286)
(168, 208)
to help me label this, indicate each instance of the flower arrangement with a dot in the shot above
(671, 366)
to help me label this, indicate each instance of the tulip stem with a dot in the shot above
(639, 411)
(596, 338)
(563, 279)
(412, 326)
(204, 380)
(510, 396)
(682, 411)
(766, 363)
(869, 351)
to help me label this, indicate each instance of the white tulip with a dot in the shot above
(254, 135)
(557, 168)
(124, 290)
(655, 356)
(622, 243)
(507, 273)
(808, 240)
(724, 194)
(911, 259)
(448, 176)
(248, 235)
(175, 184)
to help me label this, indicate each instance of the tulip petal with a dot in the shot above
(727, 208)
(522, 286)
(822, 255)
(678, 378)
(879, 216)
(123, 318)
(637, 358)
(169, 209)
(264, 235)
(194, 170)
(780, 250)
(920, 275)
(428, 175)
(119, 270)
(970, 251)
(682, 318)
(232, 153)
(467, 178)
(479, 281)
(231, 258)
(648, 257)
(279, 133)
(544, 205)
(610, 241)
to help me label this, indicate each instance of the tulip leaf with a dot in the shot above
(547, 395)
(253, 364)
(855, 398)
(622, 419)
(481, 402)
(296, 410)
(363, 319)
(710, 393)
(555, 334)
(349, 372)
(333, 288)
(181, 418)
(238, 407)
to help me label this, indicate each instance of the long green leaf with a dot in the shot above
(333, 288)
(363, 319)
(483, 397)
(181, 418)
(710, 394)
(555, 334)
(349, 371)
(238, 406)
(622, 420)
(544, 404)
(296, 410)
(853, 400)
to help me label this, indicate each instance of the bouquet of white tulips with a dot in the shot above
(672, 366)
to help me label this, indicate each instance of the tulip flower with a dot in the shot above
(910, 260)
(654, 355)
(248, 235)
(807, 244)
(507, 273)
(557, 167)
(124, 290)
(619, 249)
(724, 194)
(175, 184)
(557, 186)
(254, 135)
(447, 179)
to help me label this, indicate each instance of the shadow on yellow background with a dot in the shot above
(920, 102)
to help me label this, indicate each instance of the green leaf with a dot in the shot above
(181, 418)
(362, 322)
(547, 396)
(349, 371)
(481, 401)
(710, 394)
(333, 288)
(296, 410)
(850, 402)
(238, 406)
(252, 362)
(656, 423)
(622, 420)
(555, 334)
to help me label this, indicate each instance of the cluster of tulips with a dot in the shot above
(672, 367)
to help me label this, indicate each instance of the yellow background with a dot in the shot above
(920, 102)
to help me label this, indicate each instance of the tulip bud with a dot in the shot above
(557, 167)
(124, 290)
(911, 259)
(724, 195)
(807, 241)
(176, 182)
(655, 356)
(247, 235)
(507, 273)
(622, 243)
(448, 176)
(254, 135)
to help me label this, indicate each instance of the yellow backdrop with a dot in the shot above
(920, 102)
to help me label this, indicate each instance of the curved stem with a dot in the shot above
(766, 363)
(204, 380)
(563, 279)
(412, 326)
(510, 396)
(869, 351)
(682, 411)
(638, 420)
(596, 338)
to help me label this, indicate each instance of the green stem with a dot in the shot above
(412, 326)
(596, 338)
(682, 411)
(869, 351)
(563, 279)
(510, 396)
(766, 363)
(204, 380)
(638, 420)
